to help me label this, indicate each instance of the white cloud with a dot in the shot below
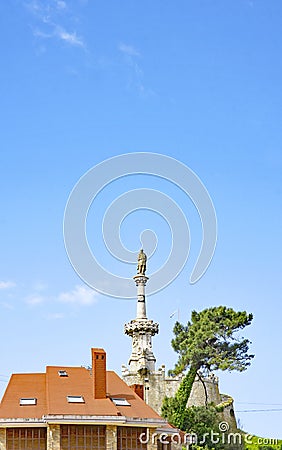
(61, 33)
(7, 284)
(39, 286)
(70, 38)
(35, 300)
(128, 50)
(42, 34)
(49, 16)
(33, 6)
(136, 75)
(80, 295)
(7, 305)
(55, 316)
(61, 4)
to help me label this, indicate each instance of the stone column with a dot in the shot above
(53, 437)
(142, 359)
(2, 438)
(141, 281)
(153, 439)
(111, 437)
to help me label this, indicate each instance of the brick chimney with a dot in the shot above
(99, 372)
(138, 389)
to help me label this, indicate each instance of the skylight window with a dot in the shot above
(28, 401)
(75, 399)
(120, 402)
(62, 373)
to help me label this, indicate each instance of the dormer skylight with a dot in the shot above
(75, 399)
(63, 373)
(28, 401)
(120, 401)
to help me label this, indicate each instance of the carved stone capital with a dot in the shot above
(141, 326)
(140, 279)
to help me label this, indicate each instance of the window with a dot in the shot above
(120, 401)
(28, 401)
(75, 399)
(129, 438)
(62, 373)
(26, 438)
(83, 437)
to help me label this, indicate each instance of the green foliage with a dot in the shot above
(202, 421)
(173, 408)
(265, 447)
(221, 406)
(170, 409)
(210, 341)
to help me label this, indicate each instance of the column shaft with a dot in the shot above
(2, 438)
(111, 437)
(53, 437)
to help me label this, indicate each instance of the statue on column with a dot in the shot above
(142, 259)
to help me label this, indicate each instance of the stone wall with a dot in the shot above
(205, 389)
(228, 414)
(157, 386)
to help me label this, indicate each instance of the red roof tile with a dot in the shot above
(51, 392)
(24, 386)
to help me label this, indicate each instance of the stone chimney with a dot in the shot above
(99, 372)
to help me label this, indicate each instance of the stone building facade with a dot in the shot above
(71, 408)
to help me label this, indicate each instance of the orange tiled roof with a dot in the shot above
(51, 392)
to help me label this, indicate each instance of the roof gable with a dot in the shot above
(30, 385)
(51, 391)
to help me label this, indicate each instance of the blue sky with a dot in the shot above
(197, 80)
